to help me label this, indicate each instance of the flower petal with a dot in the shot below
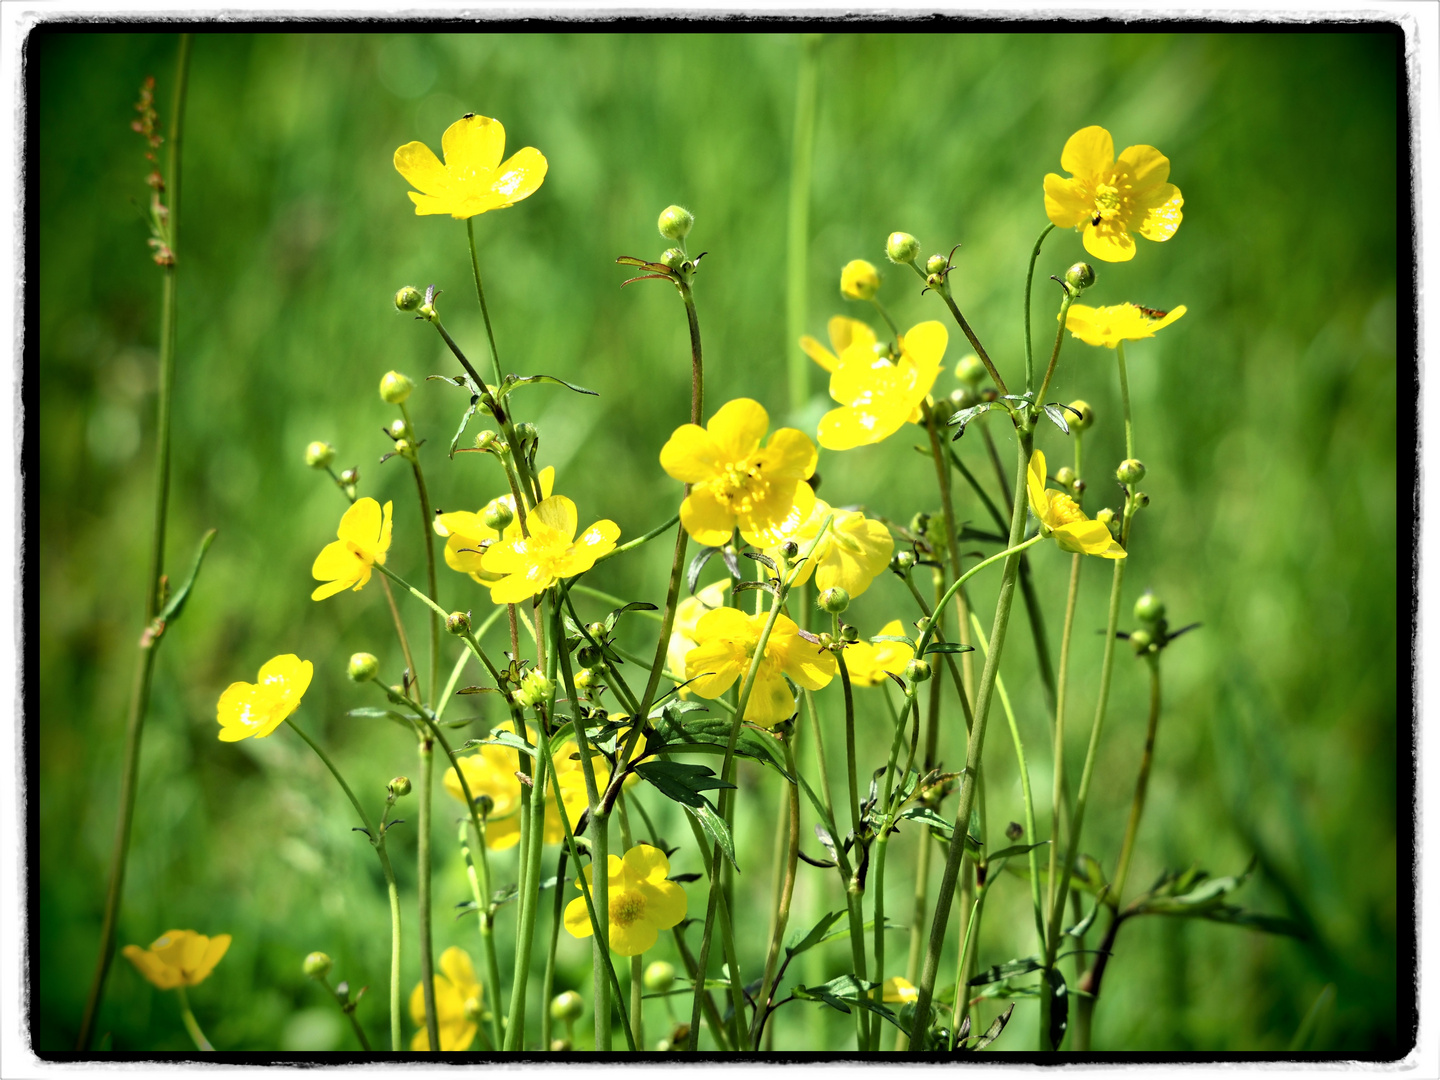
(1089, 151)
(1108, 242)
(577, 918)
(421, 169)
(473, 146)
(665, 903)
(1146, 167)
(847, 332)
(361, 523)
(1067, 201)
(646, 863)
(706, 518)
(738, 427)
(790, 455)
(431, 204)
(691, 454)
(557, 513)
(817, 352)
(784, 505)
(770, 698)
(1035, 485)
(1089, 537)
(1160, 222)
(521, 176)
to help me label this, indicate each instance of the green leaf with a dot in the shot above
(943, 826)
(371, 713)
(892, 637)
(176, 605)
(1059, 1007)
(504, 738)
(513, 382)
(1080, 929)
(478, 690)
(1004, 989)
(947, 647)
(710, 734)
(964, 416)
(637, 605)
(464, 422)
(682, 782)
(1017, 849)
(815, 935)
(993, 1031)
(714, 825)
(1056, 413)
(1007, 970)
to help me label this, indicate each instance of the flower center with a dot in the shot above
(1063, 510)
(1107, 202)
(739, 485)
(626, 908)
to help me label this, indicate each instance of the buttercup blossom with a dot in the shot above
(872, 662)
(735, 482)
(853, 551)
(530, 565)
(843, 333)
(642, 901)
(727, 638)
(1062, 519)
(258, 708)
(364, 538)
(458, 997)
(178, 958)
(472, 180)
(877, 395)
(688, 613)
(1109, 326)
(466, 534)
(1109, 199)
(859, 280)
(898, 990)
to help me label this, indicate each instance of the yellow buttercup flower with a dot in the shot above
(1108, 198)
(467, 535)
(1061, 518)
(491, 771)
(727, 638)
(458, 999)
(872, 662)
(1109, 326)
(877, 395)
(258, 708)
(898, 990)
(843, 333)
(178, 958)
(859, 280)
(735, 482)
(472, 180)
(530, 565)
(688, 614)
(851, 554)
(364, 538)
(642, 901)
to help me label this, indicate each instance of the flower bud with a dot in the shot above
(902, 248)
(1141, 641)
(585, 678)
(535, 687)
(409, 298)
(398, 429)
(917, 670)
(404, 447)
(498, 515)
(458, 623)
(675, 222)
(902, 562)
(1014, 831)
(1149, 608)
(834, 600)
(1130, 471)
(790, 549)
(316, 965)
(484, 805)
(1065, 477)
(560, 1046)
(399, 787)
(318, 454)
(970, 369)
(364, 666)
(485, 440)
(567, 1007)
(395, 388)
(1079, 278)
(962, 398)
(527, 432)
(859, 280)
(350, 477)
(1085, 419)
(849, 634)
(674, 258)
(989, 394)
(659, 977)
(936, 264)
(1107, 518)
(1141, 500)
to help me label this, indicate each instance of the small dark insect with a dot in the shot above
(1151, 313)
(1096, 219)
(468, 116)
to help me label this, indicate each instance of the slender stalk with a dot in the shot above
(349, 1010)
(427, 949)
(481, 889)
(802, 156)
(480, 295)
(428, 536)
(1059, 797)
(850, 767)
(201, 1043)
(1029, 277)
(942, 289)
(557, 917)
(787, 892)
(1125, 400)
(150, 637)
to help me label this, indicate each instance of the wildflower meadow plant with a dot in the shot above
(574, 742)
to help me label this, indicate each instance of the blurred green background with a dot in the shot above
(1266, 417)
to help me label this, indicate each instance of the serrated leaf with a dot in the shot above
(682, 782)
(514, 382)
(176, 604)
(715, 827)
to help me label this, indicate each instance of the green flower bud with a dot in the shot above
(1107, 518)
(319, 454)
(527, 432)
(936, 264)
(316, 965)
(917, 670)
(1079, 278)
(472, 1010)
(560, 1046)
(364, 666)
(902, 562)
(962, 398)
(350, 477)
(395, 388)
(659, 976)
(674, 258)
(970, 370)
(1085, 419)
(1149, 608)
(398, 429)
(1130, 471)
(662, 1046)
(1141, 500)
(485, 440)
(790, 549)
(1014, 831)
(1065, 477)
(403, 447)
(585, 678)
(458, 623)
(675, 222)
(484, 805)
(567, 1007)
(834, 600)
(1141, 641)
(399, 787)
(498, 515)
(409, 298)
(534, 688)
(849, 634)
(859, 280)
(902, 248)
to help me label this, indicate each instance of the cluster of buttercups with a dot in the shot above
(744, 486)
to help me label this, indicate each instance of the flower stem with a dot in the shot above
(1065, 303)
(427, 949)
(480, 295)
(478, 871)
(787, 892)
(1059, 796)
(432, 686)
(1125, 400)
(349, 1010)
(802, 156)
(149, 642)
(201, 1043)
(1030, 277)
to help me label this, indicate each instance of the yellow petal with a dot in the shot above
(577, 918)
(925, 344)
(455, 963)
(473, 146)
(1146, 167)
(789, 455)
(1035, 485)
(431, 204)
(640, 936)
(665, 903)
(215, 950)
(557, 513)
(783, 507)
(738, 428)
(691, 454)
(847, 332)
(520, 176)
(1160, 222)
(1066, 202)
(331, 589)
(1108, 242)
(817, 352)
(706, 518)
(845, 428)
(361, 523)
(713, 666)
(421, 169)
(770, 699)
(1089, 537)
(646, 863)
(518, 587)
(1088, 152)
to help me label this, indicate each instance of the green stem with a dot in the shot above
(1065, 303)
(1142, 782)
(1125, 400)
(480, 295)
(201, 1043)
(1030, 277)
(798, 221)
(427, 949)
(787, 892)
(428, 535)
(1059, 795)
(150, 637)
(348, 1010)
(943, 291)
(557, 919)
(478, 871)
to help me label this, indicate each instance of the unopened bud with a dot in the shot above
(409, 298)
(585, 678)
(902, 248)
(936, 265)
(1014, 831)
(364, 666)
(849, 634)
(319, 454)
(395, 388)
(498, 515)
(859, 280)
(1107, 518)
(404, 447)
(399, 787)
(398, 429)
(917, 670)
(674, 258)
(834, 600)
(1131, 471)
(675, 222)
(485, 440)
(1085, 419)
(659, 977)
(560, 1046)
(458, 623)
(526, 432)
(902, 562)
(1079, 278)
(350, 477)
(790, 549)
(1065, 477)
(472, 1010)
(1141, 500)
(316, 965)
(970, 370)
(962, 398)
(567, 1007)
(1149, 608)
(1141, 641)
